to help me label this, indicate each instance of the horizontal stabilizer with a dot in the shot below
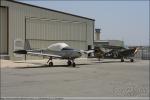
(20, 52)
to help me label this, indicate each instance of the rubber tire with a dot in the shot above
(73, 64)
(131, 60)
(122, 60)
(69, 63)
(50, 64)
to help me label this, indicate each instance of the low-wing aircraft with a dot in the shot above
(57, 50)
(116, 53)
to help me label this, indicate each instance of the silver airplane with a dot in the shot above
(57, 50)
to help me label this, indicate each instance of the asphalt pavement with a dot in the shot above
(90, 78)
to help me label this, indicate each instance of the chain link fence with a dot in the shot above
(143, 53)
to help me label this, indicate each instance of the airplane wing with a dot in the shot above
(36, 53)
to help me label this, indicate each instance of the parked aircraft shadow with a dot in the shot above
(106, 62)
(46, 66)
(113, 62)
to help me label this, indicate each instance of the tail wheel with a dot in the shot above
(74, 64)
(131, 60)
(50, 64)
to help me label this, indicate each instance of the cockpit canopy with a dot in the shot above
(58, 46)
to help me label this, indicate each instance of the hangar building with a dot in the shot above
(41, 27)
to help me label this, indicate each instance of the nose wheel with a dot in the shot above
(69, 63)
(50, 63)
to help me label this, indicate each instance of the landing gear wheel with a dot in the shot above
(131, 60)
(122, 60)
(69, 62)
(50, 64)
(73, 64)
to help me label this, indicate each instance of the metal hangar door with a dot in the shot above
(43, 32)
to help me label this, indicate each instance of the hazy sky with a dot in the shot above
(122, 20)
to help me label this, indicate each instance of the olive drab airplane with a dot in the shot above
(116, 53)
(57, 50)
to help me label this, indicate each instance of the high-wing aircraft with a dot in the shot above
(119, 53)
(57, 50)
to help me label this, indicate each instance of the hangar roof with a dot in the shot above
(50, 9)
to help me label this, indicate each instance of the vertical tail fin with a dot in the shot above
(27, 45)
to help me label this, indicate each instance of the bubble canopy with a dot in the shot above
(58, 46)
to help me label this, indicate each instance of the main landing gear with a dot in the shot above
(131, 60)
(71, 62)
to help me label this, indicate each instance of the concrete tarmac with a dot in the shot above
(90, 78)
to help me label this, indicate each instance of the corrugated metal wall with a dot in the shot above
(76, 31)
(51, 31)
